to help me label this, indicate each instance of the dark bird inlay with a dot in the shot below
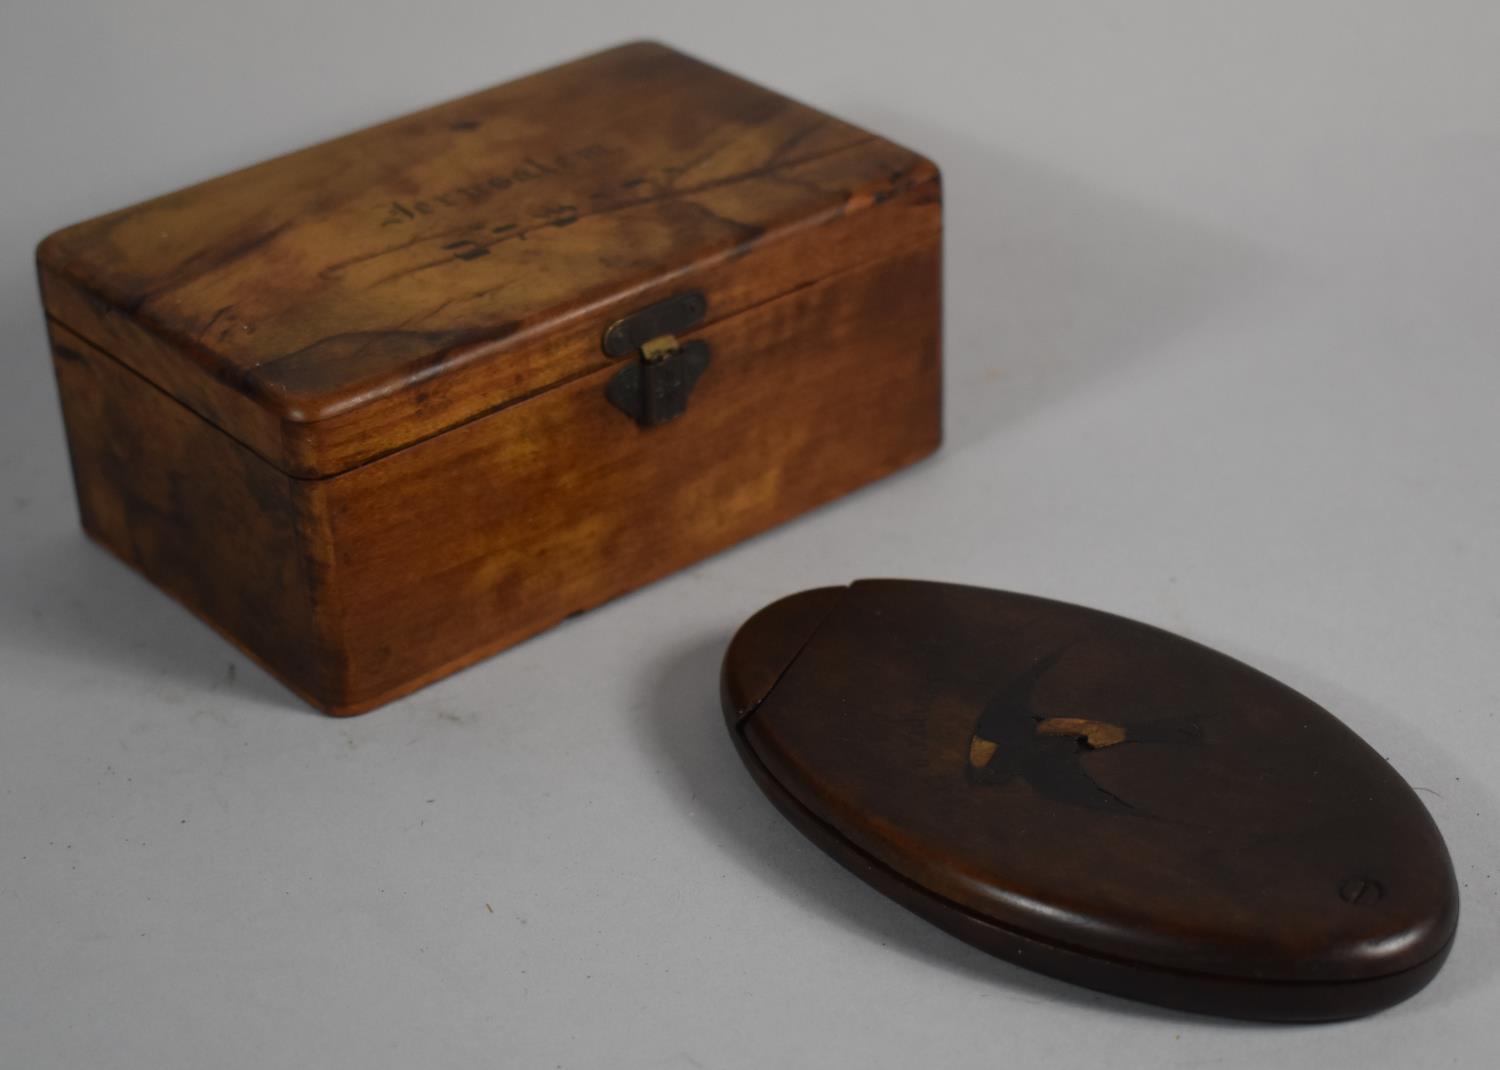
(1014, 741)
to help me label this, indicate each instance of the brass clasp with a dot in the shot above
(655, 388)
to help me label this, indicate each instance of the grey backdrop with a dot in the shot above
(1222, 355)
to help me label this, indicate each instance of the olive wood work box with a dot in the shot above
(390, 404)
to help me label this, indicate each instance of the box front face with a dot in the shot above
(471, 541)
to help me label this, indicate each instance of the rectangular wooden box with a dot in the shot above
(387, 405)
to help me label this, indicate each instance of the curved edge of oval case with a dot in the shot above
(1093, 798)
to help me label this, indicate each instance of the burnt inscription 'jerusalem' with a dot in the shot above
(528, 170)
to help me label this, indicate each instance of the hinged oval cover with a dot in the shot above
(1094, 797)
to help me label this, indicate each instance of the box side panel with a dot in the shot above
(473, 540)
(178, 367)
(200, 515)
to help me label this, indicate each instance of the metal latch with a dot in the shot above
(655, 388)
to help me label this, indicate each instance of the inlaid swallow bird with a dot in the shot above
(1012, 740)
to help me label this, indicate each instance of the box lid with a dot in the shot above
(338, 303)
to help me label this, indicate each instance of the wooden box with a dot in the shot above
(390, 404)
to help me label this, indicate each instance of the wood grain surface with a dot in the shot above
(338, 303)
(349, 405)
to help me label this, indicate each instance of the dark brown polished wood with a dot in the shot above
(1094, 798)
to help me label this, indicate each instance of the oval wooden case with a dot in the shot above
(1094, 798)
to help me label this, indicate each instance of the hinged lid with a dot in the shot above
(338, 303)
